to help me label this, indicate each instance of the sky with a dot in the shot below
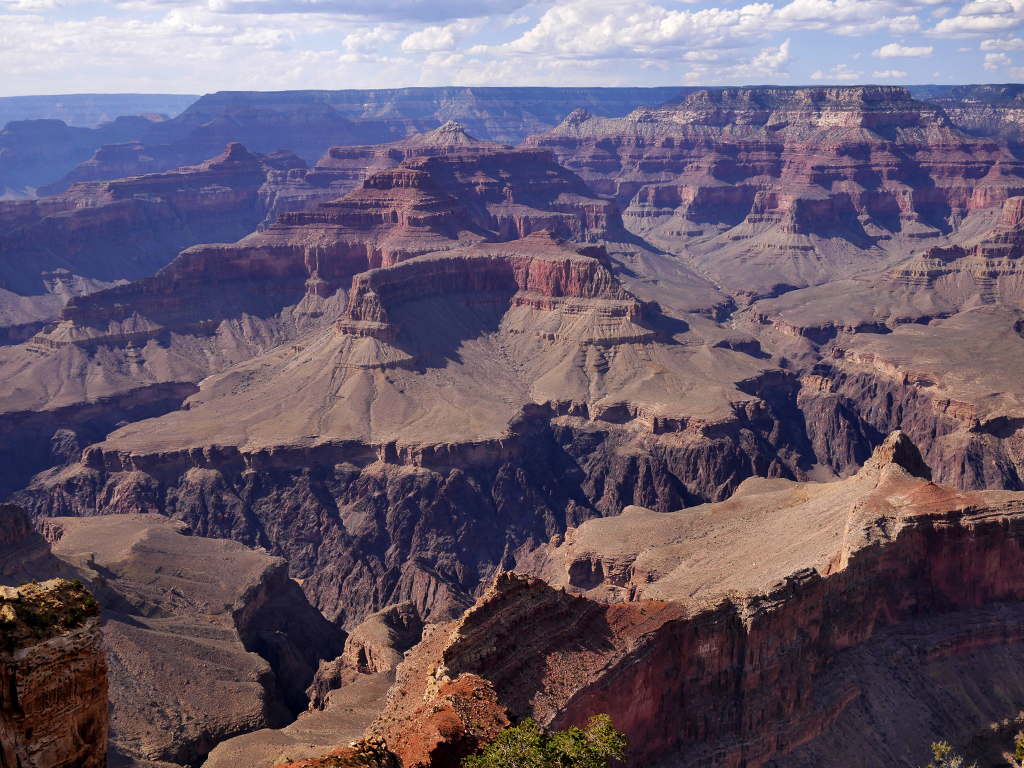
(200, 46)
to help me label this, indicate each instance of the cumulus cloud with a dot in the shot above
(1013, 44)
(769, 63)
(889, 73)
(904, 25)
(369, 38)
(981, 16)
(838, 72)
(602, 28)
(995, 60)
(446, 38)
(897, 51)
(986, 8)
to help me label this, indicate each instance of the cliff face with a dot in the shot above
(206, 639)
(96, 234)
(774, 188)
(991, 111)
(426, 205)
(53, 678)
(713, 637)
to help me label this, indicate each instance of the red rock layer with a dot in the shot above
(430, 205)
(729, 677)
(541, 267)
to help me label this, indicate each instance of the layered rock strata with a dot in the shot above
(53, 678)
(312, 122)
(97, 234)
(581, 386)
(927, 346)
(712, 636)
(992, 111)
(343, 168)
(773, 188)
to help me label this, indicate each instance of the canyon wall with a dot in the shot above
(53, 678)
(712, 637)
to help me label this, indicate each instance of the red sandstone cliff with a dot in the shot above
(712, 636)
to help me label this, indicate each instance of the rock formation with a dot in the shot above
(307, 122)
(992, 111)
(184, 620)
(377, 645)
(927, 346)
(713, 636)
(97, 234)
(53, 677)
(773, 188)
(342, 169)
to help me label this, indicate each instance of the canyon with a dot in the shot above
(704, 414)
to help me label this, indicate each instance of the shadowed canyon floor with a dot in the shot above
(651, 360)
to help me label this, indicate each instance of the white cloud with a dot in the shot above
(838, 72)
(856, 56)
(889, 73)
(446, 38)
(940, 13)
(986, 8)
(603, 28)
(369, 39)
(897, 51)
(512, 21)
(979, 17)
(769, 63)
(904, 25)
(1013, 44)
(995, 60)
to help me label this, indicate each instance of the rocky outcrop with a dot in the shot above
(774, 188)
(53, 678)
(712, 636)
(454, 720)
(343, 168)
(184, 620)
(376, 646)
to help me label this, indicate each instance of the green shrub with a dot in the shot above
(1018, 742)
(945, 757)
(527, 746)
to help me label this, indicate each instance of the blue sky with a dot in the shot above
(198, 46)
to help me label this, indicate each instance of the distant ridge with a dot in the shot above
(87, 110)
